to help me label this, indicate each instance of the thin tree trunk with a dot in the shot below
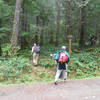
(42, 34)
(36, 35)
(82, 30)
(65, 4)
(70, 23)
(58, 22)
(99, 38)
(14, 39)
(51, 41)
(41, 37)
(70, 17)
(0, 48)
(0, 38)
(24, 26)
(65, 33)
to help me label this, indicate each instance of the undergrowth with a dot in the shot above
(83, 64)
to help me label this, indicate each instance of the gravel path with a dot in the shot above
(71, 90)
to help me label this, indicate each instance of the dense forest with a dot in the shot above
(51, 24)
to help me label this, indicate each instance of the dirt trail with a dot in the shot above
(71, 90)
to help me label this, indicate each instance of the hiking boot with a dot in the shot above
(55, 83)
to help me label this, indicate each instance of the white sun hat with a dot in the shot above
(63, 47)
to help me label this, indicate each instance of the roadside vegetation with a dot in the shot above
(17, 70)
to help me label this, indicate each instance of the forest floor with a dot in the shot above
(71, 90)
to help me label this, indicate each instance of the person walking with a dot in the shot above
(62, 59)
(35, 52)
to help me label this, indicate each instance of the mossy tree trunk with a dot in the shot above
(83, 24)
(0, 38)
(70, 27)
(58, 22)
(14, 39)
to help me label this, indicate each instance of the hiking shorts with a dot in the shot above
(61, 66)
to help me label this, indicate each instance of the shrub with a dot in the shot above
(47, 63)
(14, 67)
(6, 48)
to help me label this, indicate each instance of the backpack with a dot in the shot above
(34, 48)
(37, 49)
(63, 57)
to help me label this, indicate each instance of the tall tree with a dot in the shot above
(59, 5)
(14, 40)
(83, 24)
(24, 26)
(69, 17)
(42, 33)
(70, 23)
(0, 39)
(51, 40)
(37, 24)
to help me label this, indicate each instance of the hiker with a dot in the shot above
(62, 59)
(93, 39)
(35, 52)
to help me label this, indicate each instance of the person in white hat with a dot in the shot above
(62, 59)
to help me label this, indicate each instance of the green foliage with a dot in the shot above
(25, 53)
(50, 49)
(3, 30)
(14, 67)
(85, 63)
(26, 78)
(47, 63)
(6, 50)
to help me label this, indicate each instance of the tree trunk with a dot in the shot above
(99, 38)
(66, 18)
(51, 41)
(24, 43)
(58, 22)
(82, 29)
(14, 39)
(0, 38)
(42, 34)
(65, 33)
(36, 35)
(24, 26)
(70, 17)
(0, 48)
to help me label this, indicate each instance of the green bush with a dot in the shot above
(14, 67)
(47, 63)
(85, 63)
(6, 50)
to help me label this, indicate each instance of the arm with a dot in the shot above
(57, 57)
(32, 50)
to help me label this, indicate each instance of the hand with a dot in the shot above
(56, 62)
